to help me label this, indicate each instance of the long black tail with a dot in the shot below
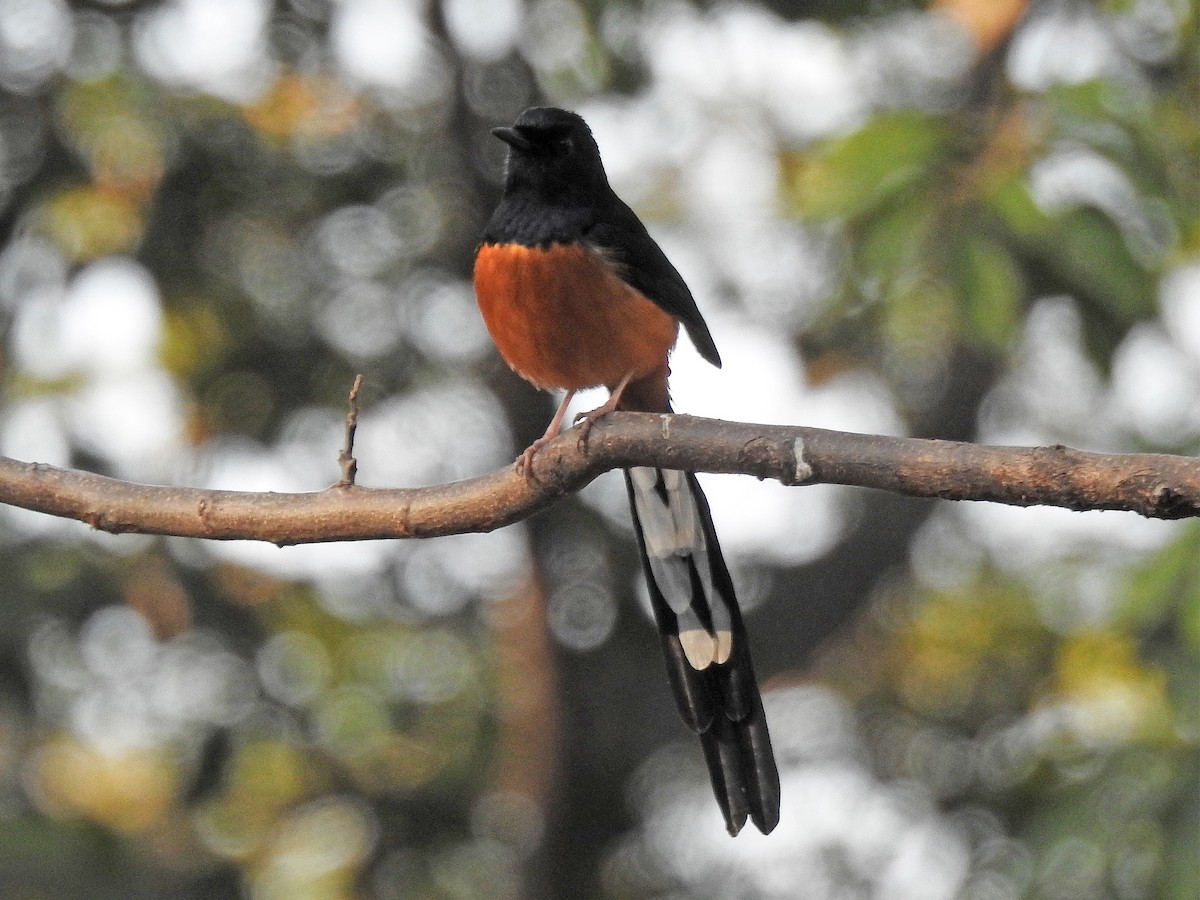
(708, 655)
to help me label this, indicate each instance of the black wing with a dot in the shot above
(622, 237)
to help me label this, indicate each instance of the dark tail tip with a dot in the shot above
(742, 769)
(761, 774)
(724, 771)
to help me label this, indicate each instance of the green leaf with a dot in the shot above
(1011, 200)
(857, 173)
(920, 320)
(1089, 251)
(1080, 252)
(891, 242)
(1167, 586)
(992, 291)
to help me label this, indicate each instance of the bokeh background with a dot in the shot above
(976, 220)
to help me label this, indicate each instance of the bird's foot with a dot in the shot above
(587, 420)
(524, 463)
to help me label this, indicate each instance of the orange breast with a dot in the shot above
(562, 319)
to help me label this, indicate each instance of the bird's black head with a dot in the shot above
(553, 152)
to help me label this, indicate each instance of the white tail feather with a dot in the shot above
(724, 645)
(699, 647)
(674, 539)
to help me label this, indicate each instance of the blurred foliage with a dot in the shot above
(213, 215)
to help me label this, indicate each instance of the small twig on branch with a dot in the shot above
(1155, 485)
(346, 458)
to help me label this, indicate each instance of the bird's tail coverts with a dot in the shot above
(704, 642)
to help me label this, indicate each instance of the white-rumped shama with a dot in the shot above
(577, 294)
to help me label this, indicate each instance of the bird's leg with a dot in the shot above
(588, 419)
(525, 460)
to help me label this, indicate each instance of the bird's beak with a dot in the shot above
(513, 138)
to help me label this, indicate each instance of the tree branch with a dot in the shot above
(1155, 485)
(346, 458)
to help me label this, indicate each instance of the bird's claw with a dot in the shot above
(524, 463)
(586, 421)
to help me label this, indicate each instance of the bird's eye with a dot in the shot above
(557, 146)
(559, 139)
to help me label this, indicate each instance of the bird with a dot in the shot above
(576, 294)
